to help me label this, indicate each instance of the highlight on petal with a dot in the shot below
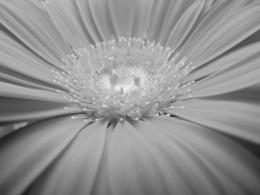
(27, 153)
(8, 128)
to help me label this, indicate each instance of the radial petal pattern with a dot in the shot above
(129, 97)
(30, 150)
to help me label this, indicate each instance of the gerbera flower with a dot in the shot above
(129, 97)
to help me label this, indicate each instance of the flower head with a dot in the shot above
(129, 97)
(125, 78)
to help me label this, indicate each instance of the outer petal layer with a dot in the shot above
(27, 152)
(167, 156)
(31, 31)
(238, 118)
(226, 25)
(235, 71)
(81, 170)
(163, 156)
(22, 103)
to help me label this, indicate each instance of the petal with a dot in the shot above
(123, 15)
(101, 15)
(14, 91)
(15, 109)
(22, 103)
(66, 18)
(10, 127)
(237, 118)
(171, 22)
(132, 18)
(27, 153)
(87, 18)
(179, 22)
(156, 20)
(235, 71)
(138, 166)
(142, 14)
(226, 25)
(165, 156)
(80, 169)
(18, 65)
(32, 27)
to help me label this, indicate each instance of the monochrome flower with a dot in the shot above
(129, 97)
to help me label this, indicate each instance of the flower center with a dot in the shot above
(122, 77)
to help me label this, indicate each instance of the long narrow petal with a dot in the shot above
(20, 66)
(14, 91)
(66, 18)
(27, 90)
(8, 128)
(28, 23)
(15, 109)
(226, 25)
(22, 103)
(235, 71)
(234, 117)
(142, 14)
(87, 18)
(167, 156)
(101, 14)
(123, 13)
(79, 170)
(27, 153)
(156, 19)
(182, 23)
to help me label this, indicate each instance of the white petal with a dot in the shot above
(156, 20)
(123, 13)
(142, 14)
(19, 65)
(8, 128)
(165, 156)
(226, 25)
(182, 25)
(101, 14)
(87, 17)
(68, 22)
(27, 23)
(26, 153)
(237, 70)
(19, 103)
(79, 170)
(237, 118)
(139, 164)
